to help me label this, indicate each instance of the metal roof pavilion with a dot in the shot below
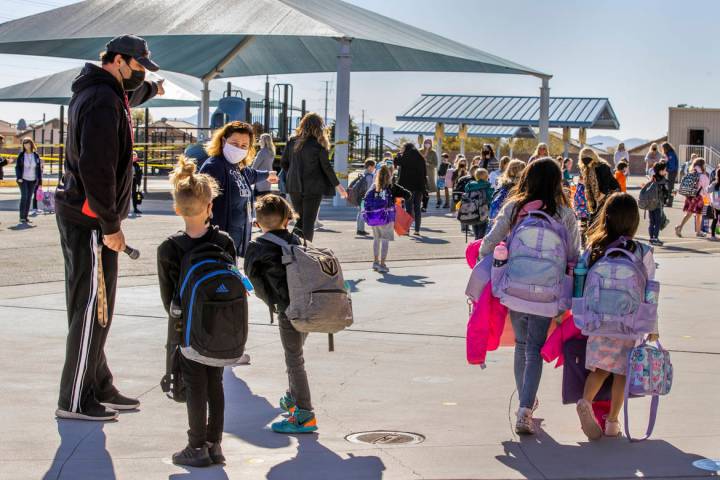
(484, 131)
(565, 112)
(180, 90)
(231, 38)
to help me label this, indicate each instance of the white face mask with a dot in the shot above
(234, 154)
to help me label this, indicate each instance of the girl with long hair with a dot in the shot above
(694, 204)
(306, 159)
(539, 188)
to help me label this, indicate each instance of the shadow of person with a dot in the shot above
(541, 456)
(430, 240)
(406, 280)
(314, 461)
(216, 472)
(81, 453)
(247, 415)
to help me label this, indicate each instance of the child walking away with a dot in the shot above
(288, 278)
(694, 187)
(475, 204)
(379, 213)
(508, 179)
(442, 180)
(533, 279)
(358, 189)
(581, 208)
(620, 290)
(714, 190)
(652, 197)
(621, 175)
(205, 296)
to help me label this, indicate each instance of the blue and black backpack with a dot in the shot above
(211, 301)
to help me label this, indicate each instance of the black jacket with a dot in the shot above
(20, 166)
(98, 161)
(308, 170)
(264, 268)
(169, 259)
(413, 171)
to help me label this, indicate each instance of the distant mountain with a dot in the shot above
(606, 141)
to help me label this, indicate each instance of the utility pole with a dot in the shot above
(327, 82)
(362, 128)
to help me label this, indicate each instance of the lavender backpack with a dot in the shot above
(650, 372)
(379, 208)
(535, 278)
(614, 299)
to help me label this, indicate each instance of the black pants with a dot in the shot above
(479, 230)
(671, 178)
(655, 222)
(34, 195)
(134, 195)
(714, 223)
(205, 402)
(86, 378)
(27, 193)
(307, 207)
(413, 207)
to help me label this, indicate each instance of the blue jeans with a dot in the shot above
(655, 221)
(530, 335)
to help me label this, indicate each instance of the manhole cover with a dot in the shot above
(383, 437)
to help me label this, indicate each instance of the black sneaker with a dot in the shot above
(362, 233)
(193, 457)
(121, 402)
(95, 412)
(216, 453)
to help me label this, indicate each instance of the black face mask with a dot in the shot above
(137, 77)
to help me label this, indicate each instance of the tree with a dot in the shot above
(138, 116)
(353, 133)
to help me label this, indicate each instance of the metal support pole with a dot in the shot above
(248, 111)
(545, 110)
(204, 106)
(147, 149)
(342, 114)
(462, 133)
(439, 135)
(382, 142)
(366, 146)
(52, 147)
(566, 141)
(285, 122)
(61, 151)
(303, 108)
(228, 93)
(266, 114)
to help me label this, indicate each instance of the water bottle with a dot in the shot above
(247, 284)
(579, 275)
(500, 255)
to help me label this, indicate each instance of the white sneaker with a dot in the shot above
(524, 424)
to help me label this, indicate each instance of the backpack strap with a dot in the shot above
(285, 246)
(653, 405)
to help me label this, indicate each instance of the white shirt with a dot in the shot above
(29, 165)
(494, 177)
(622, 156)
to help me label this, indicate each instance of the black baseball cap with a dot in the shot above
(135, 47)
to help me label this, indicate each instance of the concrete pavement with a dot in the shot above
(400, 367)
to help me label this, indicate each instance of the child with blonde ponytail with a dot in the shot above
(193, 194)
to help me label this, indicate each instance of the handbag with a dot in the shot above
(403, 220)
(649, 372)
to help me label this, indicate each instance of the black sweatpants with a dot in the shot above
(205, 400)
(307, 207)
(86, 378)
(413, 208)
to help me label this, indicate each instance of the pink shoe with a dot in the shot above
(589, 424)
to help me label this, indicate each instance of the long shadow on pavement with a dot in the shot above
(315, 462)
(247, 415)
(541, 456)
(405, 280)
(94, 461)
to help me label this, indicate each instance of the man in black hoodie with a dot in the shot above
(91, 202)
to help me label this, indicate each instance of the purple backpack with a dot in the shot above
(379, 207)
(535, 278)
(614, 298)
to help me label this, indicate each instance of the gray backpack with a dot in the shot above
(319, 301)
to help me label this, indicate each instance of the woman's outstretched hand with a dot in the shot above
(341, 190)
(272, 177)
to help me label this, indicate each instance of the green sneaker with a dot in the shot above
(287, 403)
(300, 421)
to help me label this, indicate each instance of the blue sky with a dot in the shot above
(644, 55)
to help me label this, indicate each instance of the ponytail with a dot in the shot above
(191, 191)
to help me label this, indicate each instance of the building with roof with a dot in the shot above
(173, 131)
(695, 130)
(463, 111)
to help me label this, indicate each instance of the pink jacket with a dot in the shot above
(485, 327)
(553, 348)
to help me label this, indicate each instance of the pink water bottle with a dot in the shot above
(500, 255)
